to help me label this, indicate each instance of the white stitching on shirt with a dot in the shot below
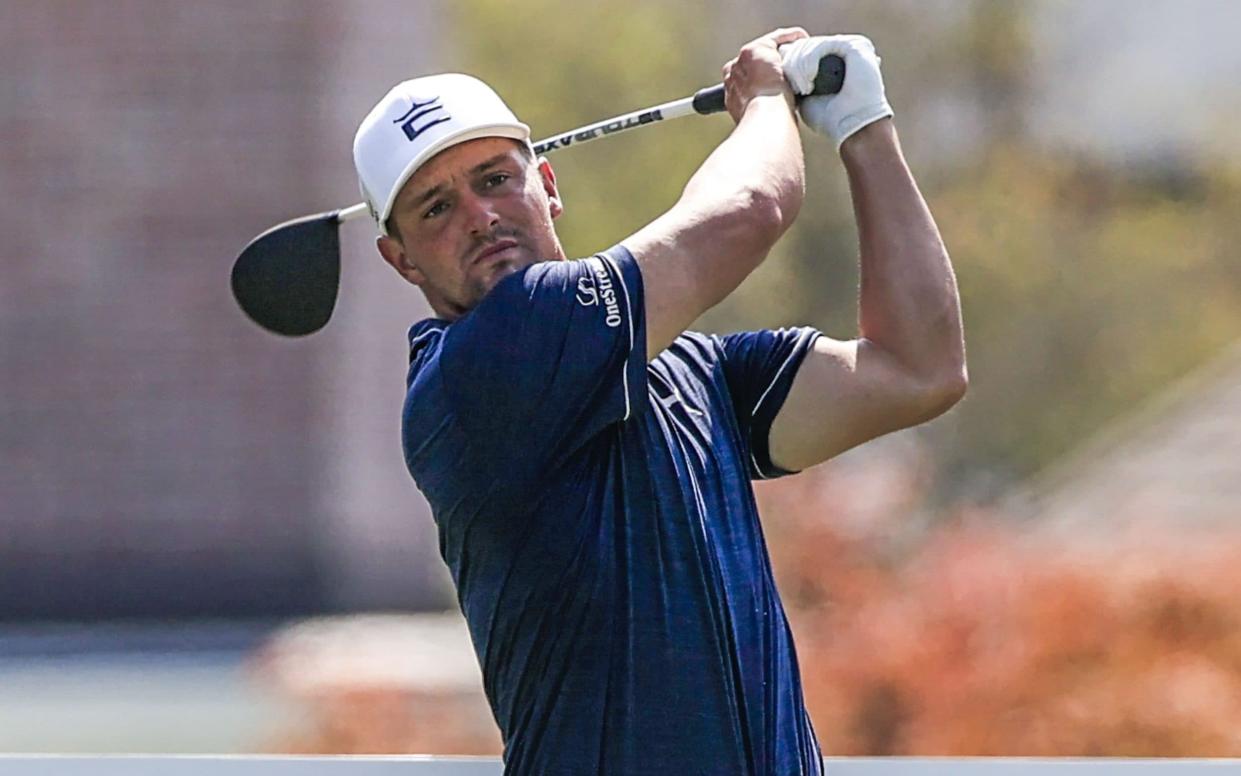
(629, 317)
(774, 380)
(762, 398)
(413, 344)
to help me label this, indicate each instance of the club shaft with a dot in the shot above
(639, 118)
(351, 212)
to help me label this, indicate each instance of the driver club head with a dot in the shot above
(286, 279)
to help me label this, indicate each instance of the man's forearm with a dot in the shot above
(762, 157)
(909, 304)
(736, 206)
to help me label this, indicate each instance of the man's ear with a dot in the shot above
(548, 177)
(394, 253)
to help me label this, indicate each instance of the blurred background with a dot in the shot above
(208, 540)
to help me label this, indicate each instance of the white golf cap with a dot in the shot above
(416, 120)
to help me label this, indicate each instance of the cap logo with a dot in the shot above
(418, 111)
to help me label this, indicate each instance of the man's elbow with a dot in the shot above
(945, 390)
(931, 393)
(756, 221)
(778, 204)
(749, 220)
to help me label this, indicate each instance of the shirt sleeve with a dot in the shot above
(759, 367)
(553, 354)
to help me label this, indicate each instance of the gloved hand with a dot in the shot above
(861, 99)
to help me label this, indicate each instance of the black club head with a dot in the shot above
(287, 278)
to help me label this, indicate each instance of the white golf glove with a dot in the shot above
(861, 99)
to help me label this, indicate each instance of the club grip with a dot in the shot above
(828, 81)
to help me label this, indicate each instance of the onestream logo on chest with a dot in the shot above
(591, 289)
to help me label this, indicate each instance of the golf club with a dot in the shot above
(286, 279)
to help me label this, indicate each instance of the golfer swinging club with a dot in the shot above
(588, 460)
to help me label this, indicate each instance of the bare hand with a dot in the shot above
(758, 70)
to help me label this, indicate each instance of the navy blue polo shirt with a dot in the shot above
(597, 517)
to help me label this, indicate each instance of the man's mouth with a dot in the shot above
(493, 249)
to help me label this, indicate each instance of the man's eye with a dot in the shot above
(496, 179)
(435, 210)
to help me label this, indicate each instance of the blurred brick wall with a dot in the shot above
(161, 456)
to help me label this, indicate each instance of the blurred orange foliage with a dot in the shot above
(985, 637)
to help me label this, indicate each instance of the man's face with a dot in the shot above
(474, 214)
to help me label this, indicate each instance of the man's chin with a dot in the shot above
(493, 274)
(500, 270)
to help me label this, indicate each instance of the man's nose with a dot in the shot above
(480, 213)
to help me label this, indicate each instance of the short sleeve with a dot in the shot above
(759, 367)
(551, 356)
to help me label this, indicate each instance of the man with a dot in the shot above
(588, 461)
